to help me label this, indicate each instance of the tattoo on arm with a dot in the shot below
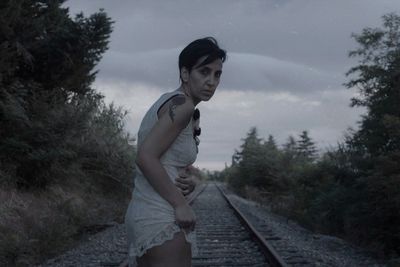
(176, 101)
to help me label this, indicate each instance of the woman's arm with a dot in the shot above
(160, 138)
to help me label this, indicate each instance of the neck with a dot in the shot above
(185, 89)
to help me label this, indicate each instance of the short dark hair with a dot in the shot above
(207, 46)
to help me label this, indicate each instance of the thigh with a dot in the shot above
(172, 253)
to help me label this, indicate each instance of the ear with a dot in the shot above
(184, 74)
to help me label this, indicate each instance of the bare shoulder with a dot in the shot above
(179, 109)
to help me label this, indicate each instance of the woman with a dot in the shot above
(160, 223)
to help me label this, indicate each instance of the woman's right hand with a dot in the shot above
(185, 182)
(185, 217)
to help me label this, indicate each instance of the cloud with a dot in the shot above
(155, 68)
(242, 71)
(300, 43)
(229, 115)
(286, 63)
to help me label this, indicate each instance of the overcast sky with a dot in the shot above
(286, 64)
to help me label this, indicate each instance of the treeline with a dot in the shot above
(66, 161)
(352, 190)
(53, 125)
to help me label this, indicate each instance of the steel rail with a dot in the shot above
(195, 194)
(270, 253)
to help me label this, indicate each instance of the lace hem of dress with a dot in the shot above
(166, 234)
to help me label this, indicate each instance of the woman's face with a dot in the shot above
(203, 80)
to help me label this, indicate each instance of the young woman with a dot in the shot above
(160, 223)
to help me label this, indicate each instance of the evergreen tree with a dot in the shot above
(375, 147)
(378, 82)
(289, 157)
(251, 158)
(270, 144)
(235, 158)
(290, 145)
(306, 147)
(47, 106)
(256, 164)
(289, 150)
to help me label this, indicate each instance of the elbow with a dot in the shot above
(137, 161)
(144, 159)
(140, 160)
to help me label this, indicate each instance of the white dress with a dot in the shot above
(150, 219)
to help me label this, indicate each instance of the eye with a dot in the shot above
(218, 74)
(204, 71)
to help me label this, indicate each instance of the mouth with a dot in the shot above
(208, 93)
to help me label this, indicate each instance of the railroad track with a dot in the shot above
(226, 237)
(276, 250)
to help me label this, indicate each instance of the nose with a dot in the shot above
(211, 80)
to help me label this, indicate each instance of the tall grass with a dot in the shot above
(36, 226)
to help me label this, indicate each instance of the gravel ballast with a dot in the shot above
(108, 247)
(322, 250)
